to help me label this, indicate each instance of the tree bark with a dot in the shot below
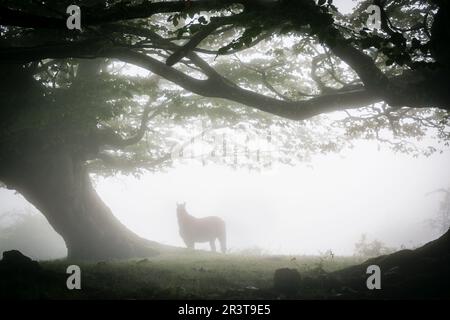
(59, 186)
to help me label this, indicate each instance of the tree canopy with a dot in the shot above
(294, 59)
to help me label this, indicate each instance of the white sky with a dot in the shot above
(292, 209)
(300, 209)
(345, 6)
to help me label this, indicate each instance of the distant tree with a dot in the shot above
(364, 248)
(441, 222)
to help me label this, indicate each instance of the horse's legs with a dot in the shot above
(212, 243)
(223, 242)
(190, 244)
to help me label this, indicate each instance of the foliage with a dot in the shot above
(268, 49)
(441, 223)
(366, 249)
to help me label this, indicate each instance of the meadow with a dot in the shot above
(183, 275)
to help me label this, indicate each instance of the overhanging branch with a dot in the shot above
(96, 15)
(107, 136)
(219, 87)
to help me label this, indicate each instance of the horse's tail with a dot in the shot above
(223, 238)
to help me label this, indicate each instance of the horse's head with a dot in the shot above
(181, 209)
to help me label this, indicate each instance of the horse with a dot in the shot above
(206, 229)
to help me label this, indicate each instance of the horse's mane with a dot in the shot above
(184, 216)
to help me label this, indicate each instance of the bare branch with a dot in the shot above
(372, 77)
(191, 44)
(108, 137)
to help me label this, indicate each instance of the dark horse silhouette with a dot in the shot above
(206, 229)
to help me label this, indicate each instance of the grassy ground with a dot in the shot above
(187, 275)
(182, 274)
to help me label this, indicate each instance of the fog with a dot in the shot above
(325, 204)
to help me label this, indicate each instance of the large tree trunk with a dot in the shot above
(46, 164)
(60, 187)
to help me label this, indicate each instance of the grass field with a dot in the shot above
(183, 274)
(186, 275)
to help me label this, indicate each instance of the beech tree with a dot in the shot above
(107, 98)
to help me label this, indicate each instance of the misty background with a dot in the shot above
(324, 204)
